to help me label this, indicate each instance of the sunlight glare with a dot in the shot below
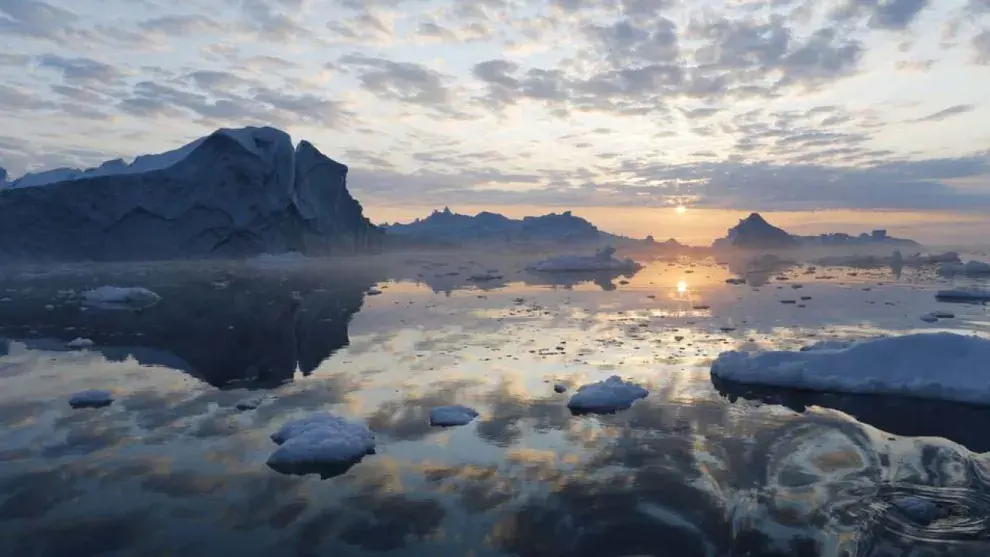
(682, 286)
(681, 209)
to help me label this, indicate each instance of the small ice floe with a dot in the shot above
(968, 268)
(735, 280)
(788, 301)
(963, 295)
(373, 291)
(607, 396)
(118, 297)
(252, 403)
(93, 398)
(929, 318)
(483, 277)
(559, 388)
(942, 314)
(601, 261)
(702, 307)
(449, 416)
(79, 343)
(917, 509)
(943, 366)
(320, 443)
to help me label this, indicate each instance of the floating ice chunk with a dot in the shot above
(117, 297)
(79, 343)
(963, 295)
(736, 281)
(942, 366)
(484, 277)
(601, 261)
(320, 440)
(929, 318)
(917, 509)
(606, 396)
(93, 398)
(942, 314)
(254, 402)
(559, 388)
(447, 416)
(373, 291)
(968, 268)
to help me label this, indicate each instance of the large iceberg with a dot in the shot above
(942, 366)
(233, 193)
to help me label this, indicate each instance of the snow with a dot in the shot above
(112, 297)
(79, 343)
(93, 398)
(447, 416)
(943, 366)
(969, 268)
(609, 395)
(963, 295)
(601, 261)
(321, 438)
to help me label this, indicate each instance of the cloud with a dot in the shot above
(882, 14)
(404, 82)
(981, 47)
(34, 19)
(947, 113)
(181, 25)
(81, 70)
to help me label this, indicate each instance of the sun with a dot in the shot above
(681, 209)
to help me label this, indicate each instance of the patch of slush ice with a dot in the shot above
(943, 366)
(116, 297)
(968, 268)
(79, 343)
(601, 261)
(609, 395)
(448, 416)
(963, 295)
(93, 398)
(321, 439)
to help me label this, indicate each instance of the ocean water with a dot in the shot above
(172, 467)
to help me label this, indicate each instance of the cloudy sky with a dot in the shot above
(723, 104)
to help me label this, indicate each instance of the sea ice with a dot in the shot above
(609, 395)
(93, 398)
(601, 261)
(447, 416)
(320, 439)
(121, 297)
(942, 366)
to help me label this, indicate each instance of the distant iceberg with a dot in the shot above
(968, 268)
(943, 366)
(601, 261)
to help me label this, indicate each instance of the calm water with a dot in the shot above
(173, 468)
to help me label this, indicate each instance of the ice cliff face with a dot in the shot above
(233, 193)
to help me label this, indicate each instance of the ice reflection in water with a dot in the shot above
(694, 469)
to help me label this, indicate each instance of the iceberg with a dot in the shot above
(942, 366)
(601, 261)
(93, 398)
(449, 416)
(607, 396)
(321, 443)
(968, 268)
(234, 193)
(117, 297)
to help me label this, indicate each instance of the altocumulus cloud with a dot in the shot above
(791, 104)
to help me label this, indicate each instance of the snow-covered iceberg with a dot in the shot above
(235, 192)
(603, 260)
(610, 395)
(943, 366)
(320, 443)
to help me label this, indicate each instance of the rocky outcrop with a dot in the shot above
(754, 232)
(233, 193)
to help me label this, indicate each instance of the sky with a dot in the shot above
(603, 106)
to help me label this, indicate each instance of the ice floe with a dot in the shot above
(93, 398)
(609, 395)
(942, 366)
(449, 416)
(119, 297)
(321, 443)
(79, 343)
